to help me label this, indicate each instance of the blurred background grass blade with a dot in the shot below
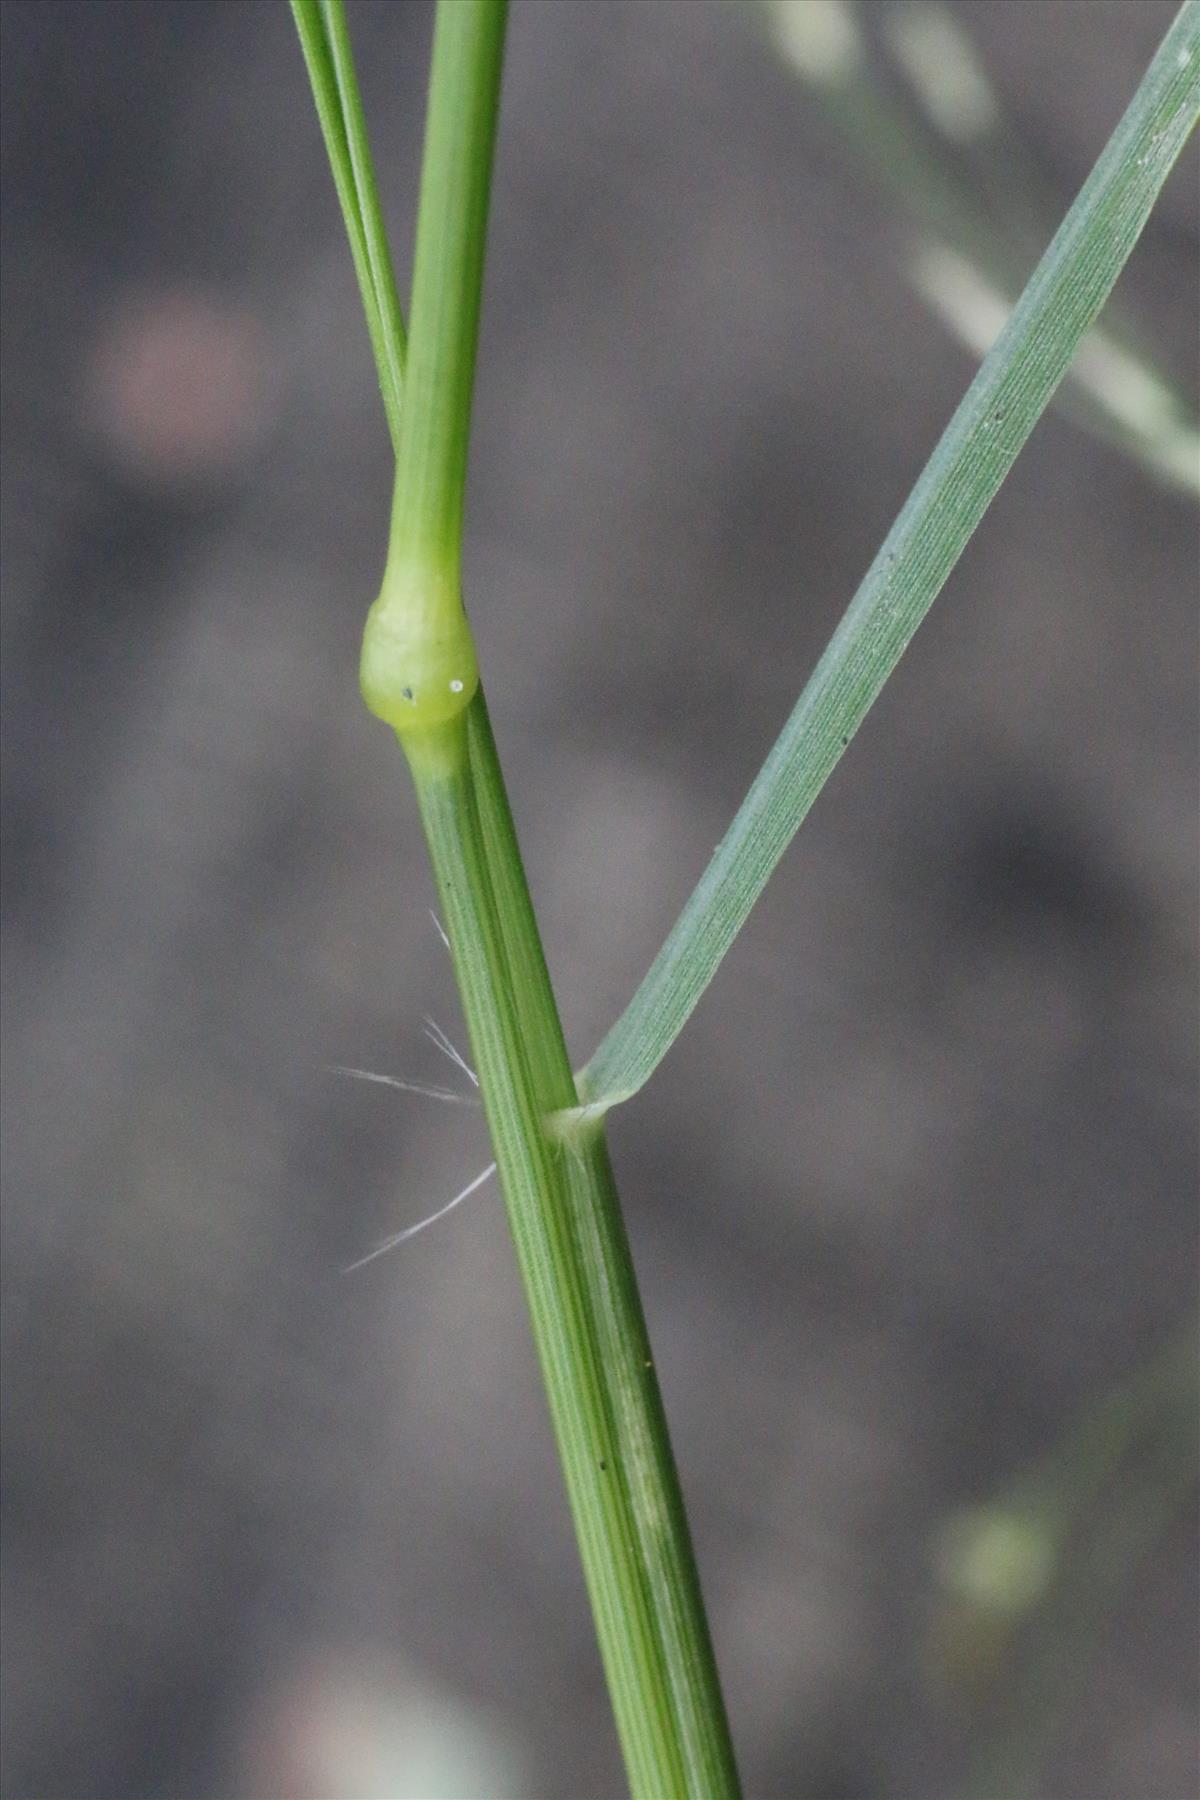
(1115, 392)
(979, 446)
(944, 147)
(999, 1562)
(1026, 1580)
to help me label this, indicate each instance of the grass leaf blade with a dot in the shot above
(1001, 407)
(379, 257)
(331, 97)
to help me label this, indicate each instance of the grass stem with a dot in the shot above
(419, 674)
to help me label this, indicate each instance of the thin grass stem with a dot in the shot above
(332, 97)
(531, 1171)
(431, 469)
(383, 278)
(643, 1462)
(418, 673)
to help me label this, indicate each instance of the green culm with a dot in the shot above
(419, 675)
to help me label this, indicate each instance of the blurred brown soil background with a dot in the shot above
(920, 1177)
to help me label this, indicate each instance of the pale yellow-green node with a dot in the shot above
(418, 665)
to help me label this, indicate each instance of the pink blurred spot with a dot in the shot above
(181, 385)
